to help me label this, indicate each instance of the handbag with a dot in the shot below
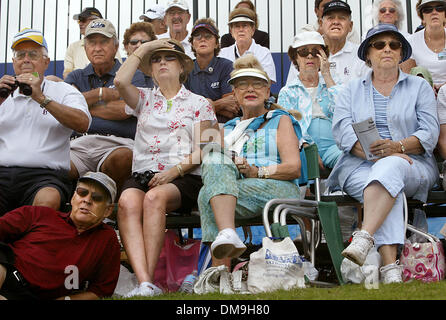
(176, 261)
(424, 261)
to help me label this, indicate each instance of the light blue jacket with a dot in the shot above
(294, 96)
(412, 111)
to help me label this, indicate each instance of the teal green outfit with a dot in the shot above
(221, 176)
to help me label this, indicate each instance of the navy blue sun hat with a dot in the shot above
(381, 28)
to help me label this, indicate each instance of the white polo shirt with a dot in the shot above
(30, 136)
(261, 53)
(345, 65)
(185, 43)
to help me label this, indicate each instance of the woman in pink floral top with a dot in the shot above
(170, 122)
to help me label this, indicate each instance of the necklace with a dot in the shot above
(432, 47)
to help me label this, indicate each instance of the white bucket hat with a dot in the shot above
(307, 35)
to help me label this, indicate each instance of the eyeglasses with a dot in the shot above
(95, 196)
(135, 42)
(32, 54)
(390, 10)
(429, 9)
(167, 57)
(379, 45)
(305, 52)
(205, 35)
(244, 84)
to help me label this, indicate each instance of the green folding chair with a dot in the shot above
(322, 215)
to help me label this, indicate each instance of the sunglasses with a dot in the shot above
(135, 42)
(95, 196)
(379, 45)
(32, 54)
(305, 52)
(384, 10)
(244, 84)
(439, 8)
(167, 57)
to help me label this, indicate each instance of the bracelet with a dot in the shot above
(403, 149)
(140, 59)
(180, 170)
(100, 94)
(263, 173)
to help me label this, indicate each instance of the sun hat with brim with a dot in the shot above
(382, 28)
(306, 36)
(249, 72)
(241, 19)
(29, 35)
(146, 63)
(425, 2)
(104, 180)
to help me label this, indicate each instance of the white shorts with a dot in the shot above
(89, 152)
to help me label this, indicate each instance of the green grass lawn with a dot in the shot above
(407, 291)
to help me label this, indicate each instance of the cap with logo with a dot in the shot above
(28, 34)
(104, 180)
(101, 26)
(88, 12)
(153, 13)
(336, 5)
(177, 3)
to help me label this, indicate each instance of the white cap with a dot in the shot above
(249, 72)
(154, 12)
(307, 35)
(177, 3)
(241, 19)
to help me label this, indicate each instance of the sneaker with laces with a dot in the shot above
(145, 289)
(391, 273)
(227, 244)
(360, 246)
(148, 289)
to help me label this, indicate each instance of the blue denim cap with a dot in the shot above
(381, 28)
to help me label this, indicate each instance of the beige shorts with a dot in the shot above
(89, 152)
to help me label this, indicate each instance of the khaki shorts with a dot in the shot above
(89, 152)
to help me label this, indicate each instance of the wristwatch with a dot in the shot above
(45, 102)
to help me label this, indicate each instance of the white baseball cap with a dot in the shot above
(155, 12)
(307, 35)
(177, 3)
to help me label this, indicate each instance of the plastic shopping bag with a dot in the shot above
(277, 265)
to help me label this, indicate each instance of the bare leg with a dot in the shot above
(2, 275)
(377, 205)
(118, 166)
(47, 197)
(157, 202)
(131, 231)
(388, 253)
(223, 207)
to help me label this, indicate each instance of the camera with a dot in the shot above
(24, 89)
(143, 178)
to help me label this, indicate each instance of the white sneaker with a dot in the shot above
(391, 273)
(145, 289)
(359, 247)
(227, 244)
(148, 289)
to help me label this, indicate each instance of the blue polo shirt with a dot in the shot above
(211, 82)
(86, 80)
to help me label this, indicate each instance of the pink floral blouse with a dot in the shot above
(164, 134)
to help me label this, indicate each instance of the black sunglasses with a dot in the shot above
(135, 42)
(305, 52)
(95, 196)
(440, 8)
(167, 57)
(379, 45)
